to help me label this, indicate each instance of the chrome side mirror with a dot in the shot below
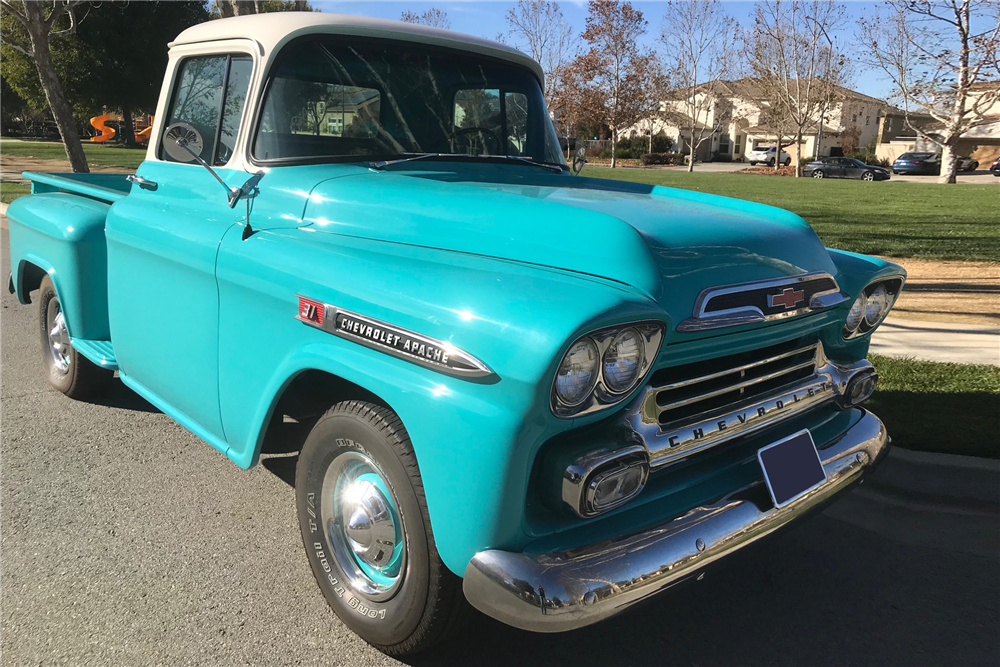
(183, 143)
(579, 159)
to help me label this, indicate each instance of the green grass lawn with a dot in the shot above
(938, 407)
(97, 154)
(895, 219)
(11, 191)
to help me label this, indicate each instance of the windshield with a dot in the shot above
(916, 156)
(341, 100)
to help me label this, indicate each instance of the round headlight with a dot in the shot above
(878, 303)
(578, 372)
(622, 361)
(857, 313)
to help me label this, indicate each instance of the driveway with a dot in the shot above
(127, 541)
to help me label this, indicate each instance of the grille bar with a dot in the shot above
(737, 369)
(742, 377)
(740, 385)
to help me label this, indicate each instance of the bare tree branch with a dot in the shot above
(940, 65)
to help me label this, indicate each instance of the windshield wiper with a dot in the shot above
(552, 166)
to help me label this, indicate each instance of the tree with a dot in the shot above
(549, 39)
(793, 57)
(613, 72)
(942, 59)
(39, 31)
(699, 41)
(125, 46)
(433, 17)
(229, 8)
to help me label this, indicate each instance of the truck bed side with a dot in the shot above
(59, 230)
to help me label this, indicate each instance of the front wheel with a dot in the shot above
(68, 371)
(770, 163)
(787, 161)
(367, 534)
(752, 163)
(868, 176)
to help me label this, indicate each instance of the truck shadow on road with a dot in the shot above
(823, 593)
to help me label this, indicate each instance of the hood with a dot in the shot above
(667, 243)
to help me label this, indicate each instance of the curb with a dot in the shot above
(961, 483)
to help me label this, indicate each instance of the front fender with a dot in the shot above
(474, 441)
(63, 235)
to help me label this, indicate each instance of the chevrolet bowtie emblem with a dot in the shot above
(789, 298)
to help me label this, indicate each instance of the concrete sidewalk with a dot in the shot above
(938, 341)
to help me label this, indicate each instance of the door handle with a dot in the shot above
(143, 183)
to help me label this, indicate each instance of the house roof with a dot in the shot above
(750, 88)
(272, 31)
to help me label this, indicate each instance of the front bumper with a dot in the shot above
(563, 591)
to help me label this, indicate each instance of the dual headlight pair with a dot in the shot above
(601, 368)
(871, 307)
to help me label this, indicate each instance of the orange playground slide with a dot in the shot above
(107, 133)
(143, 136)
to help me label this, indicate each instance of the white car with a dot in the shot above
(765, 154)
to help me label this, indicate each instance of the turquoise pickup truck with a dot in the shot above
(545, 395)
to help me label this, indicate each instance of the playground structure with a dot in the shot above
(142, 126)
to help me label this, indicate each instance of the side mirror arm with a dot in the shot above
(232, 193)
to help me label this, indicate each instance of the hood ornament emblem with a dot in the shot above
(787, 298)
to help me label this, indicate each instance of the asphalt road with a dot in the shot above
(127, 541)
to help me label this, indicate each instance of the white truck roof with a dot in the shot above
(272, 31)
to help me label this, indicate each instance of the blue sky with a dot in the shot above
(486, 19)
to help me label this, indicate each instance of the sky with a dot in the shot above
(485, 18)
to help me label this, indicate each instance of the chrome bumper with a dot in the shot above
(568, 590)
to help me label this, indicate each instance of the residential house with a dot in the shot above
(737, 111)
(982, 142)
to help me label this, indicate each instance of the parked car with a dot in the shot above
(966, 163)
(995, 167)
(765, 154)
(545, 395)
(917, 163)
(845, 167)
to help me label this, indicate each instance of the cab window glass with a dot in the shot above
(490, 121)
(210, 96)
(516, 113)
(316, 109)
(240, 69)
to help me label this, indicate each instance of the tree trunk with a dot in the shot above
(62, 113)
(614, 146)
(128, 128)
(949, 165)
(691, 152)
(798, 153)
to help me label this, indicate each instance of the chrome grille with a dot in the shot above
(685, 392)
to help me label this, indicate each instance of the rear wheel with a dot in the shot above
(68, 371)
(818, 173)
(752, 163)
(367, 534)
(770, 163)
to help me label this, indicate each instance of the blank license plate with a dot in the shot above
(791, 467)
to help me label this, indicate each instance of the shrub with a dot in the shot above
(662, 158)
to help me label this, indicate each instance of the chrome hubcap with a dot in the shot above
(364, 526)
(368, 523)
(59, 347)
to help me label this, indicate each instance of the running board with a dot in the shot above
(101, 352)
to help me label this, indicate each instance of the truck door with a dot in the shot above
(162, 245)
